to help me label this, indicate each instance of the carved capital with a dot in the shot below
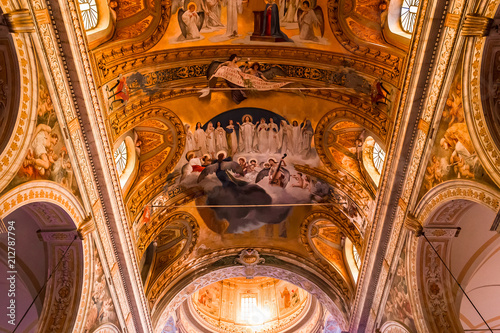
(412, 224)
(20, 21)
(476, 26)
(86, 227)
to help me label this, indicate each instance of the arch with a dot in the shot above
(451, 199)
(55, 194)
(326, 134)
(393, 327)
(207, 273)
(309, 230)
(107, 328)
(478, 96)
(453, 190)
(26, 92)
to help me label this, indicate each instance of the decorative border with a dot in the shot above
(486, 148)
(13, 154)
(453, 190)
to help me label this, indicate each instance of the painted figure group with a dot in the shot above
(198, 15)
(264, 137)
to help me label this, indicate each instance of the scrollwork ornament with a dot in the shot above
(249, 258)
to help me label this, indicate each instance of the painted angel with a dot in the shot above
(308, 19)
(190, 22)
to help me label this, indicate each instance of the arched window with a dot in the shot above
(373, 159)
(121, 157)
(378, 157)
(356, 256)
(88, 9)
(408, 15)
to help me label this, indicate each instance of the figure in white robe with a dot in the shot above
(246, 134)
(291, 12)
(285, 136)
(212, 14)
(273, 143)
(210, 133)
(191, 21)
(307, 135)
(200, 141)
(232, 138)
(234, 7)
(190, 145)
(262, 136)
(307, 21)
(220, 138)
(296, 138)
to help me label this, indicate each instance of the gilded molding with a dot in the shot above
(54, 58)
(14, 152)
(486, 148)
(453, 190)
(39, 190)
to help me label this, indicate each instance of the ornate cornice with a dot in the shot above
(305, 57)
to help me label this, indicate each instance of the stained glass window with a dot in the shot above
(88, 8)
(378, 157)
(409, 14)
(121, 157)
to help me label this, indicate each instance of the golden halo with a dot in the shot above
(192, 3)
(190, 154)
(223, 152)
(272, 159)
(242, 158)
(246, 115)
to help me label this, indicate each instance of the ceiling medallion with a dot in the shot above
(249, 258)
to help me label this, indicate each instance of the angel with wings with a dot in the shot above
(308, 19)
(190, 22)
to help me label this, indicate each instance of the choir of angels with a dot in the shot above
(263, 137)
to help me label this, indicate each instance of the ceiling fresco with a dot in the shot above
(47, 157)
(250, 122)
